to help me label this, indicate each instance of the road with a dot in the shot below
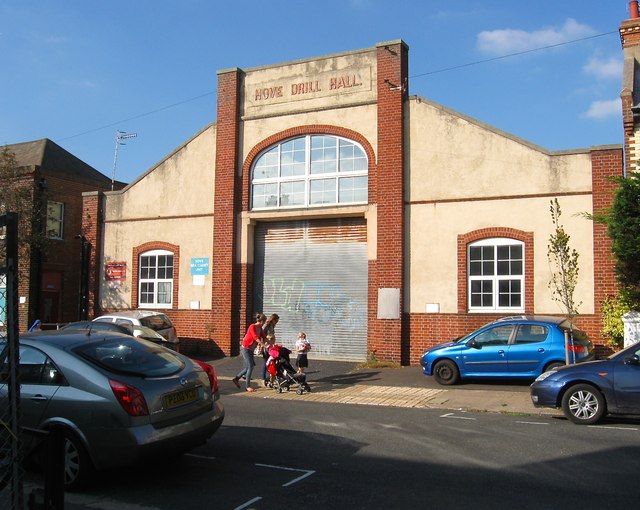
(275, 454)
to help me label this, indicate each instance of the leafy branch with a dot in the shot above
(564, 261)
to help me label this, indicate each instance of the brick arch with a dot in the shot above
(135, 268)
(486, 233)
(313, 129)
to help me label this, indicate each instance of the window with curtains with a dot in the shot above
(156, 279)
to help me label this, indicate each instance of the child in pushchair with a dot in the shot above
(284, 375)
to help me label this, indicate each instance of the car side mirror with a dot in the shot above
(473, 344)
(633, 360)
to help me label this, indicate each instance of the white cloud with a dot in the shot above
(604, 68)
(604, 109)
(507, 41)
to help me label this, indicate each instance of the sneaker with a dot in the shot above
(235, 381)
(266, 383)
(251, 390)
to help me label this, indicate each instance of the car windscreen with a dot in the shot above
(130, 356)
(156, 322)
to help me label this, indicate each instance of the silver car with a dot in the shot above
(157, 321)
(142, 332)
(120, 399)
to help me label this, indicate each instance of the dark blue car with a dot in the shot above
(513, 347)
(588, 391)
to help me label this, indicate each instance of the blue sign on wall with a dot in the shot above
(200, 266)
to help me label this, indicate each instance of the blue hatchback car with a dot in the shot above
(588, 391)
(512, 347)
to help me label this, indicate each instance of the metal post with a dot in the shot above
(13, 354)
(120, 135)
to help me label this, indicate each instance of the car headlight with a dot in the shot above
(544, 375)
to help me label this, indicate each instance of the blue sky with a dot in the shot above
(76, 71)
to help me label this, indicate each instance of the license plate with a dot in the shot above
(180, 398)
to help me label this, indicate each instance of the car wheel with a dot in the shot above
(583, 404)
(446, 372)
(553, 365)
(77, 464)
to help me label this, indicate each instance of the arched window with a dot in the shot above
(155, 285)
(496, 275)
(310, 171)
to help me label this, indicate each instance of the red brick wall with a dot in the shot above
(64, 255)
(227, 200)
(92, 230)
(386, 189)
(605, 164)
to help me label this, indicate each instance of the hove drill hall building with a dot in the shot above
(374, 220)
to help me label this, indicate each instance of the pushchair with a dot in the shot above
(284, 375)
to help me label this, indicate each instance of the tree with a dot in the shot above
(564, 260)
(623, 227)
(19, 193)
(565, 269)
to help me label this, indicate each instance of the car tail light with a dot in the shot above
(211, 373)
(131, 398)
(577, 348)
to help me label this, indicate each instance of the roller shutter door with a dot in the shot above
(314, 274)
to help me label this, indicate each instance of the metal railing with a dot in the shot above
(11, 466)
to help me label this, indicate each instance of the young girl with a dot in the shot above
(269, 330)
(302, 348)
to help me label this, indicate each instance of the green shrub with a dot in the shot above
(613, 308)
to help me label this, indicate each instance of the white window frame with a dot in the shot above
(295, 173)
(55, 219)
(490, 277)
(158, 284)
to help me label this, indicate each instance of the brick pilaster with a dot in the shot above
(605, 163)
(386, 188)
(92, 231)
(226, 206)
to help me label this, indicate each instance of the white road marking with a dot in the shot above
(451, 415)
(206, 457)
(531, 423)
(307, 472)
(612, 428)
(250, 502)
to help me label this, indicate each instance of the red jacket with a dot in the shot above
(254, 332)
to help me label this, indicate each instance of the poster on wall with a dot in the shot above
(115, 271)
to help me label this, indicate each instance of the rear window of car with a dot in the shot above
(578, 334)
(130, 356)
(156, 322)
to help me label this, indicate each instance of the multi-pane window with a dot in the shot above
(496, 275)
(55, 219)
(312, 170)
(156, 279)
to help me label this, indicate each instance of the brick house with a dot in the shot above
(49, 284)
(329, 195)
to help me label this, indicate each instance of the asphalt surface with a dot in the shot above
(346, 383)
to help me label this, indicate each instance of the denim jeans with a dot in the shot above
(247, 358)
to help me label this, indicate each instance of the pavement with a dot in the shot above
(345, 383)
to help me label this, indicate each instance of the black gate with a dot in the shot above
(11, 470)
